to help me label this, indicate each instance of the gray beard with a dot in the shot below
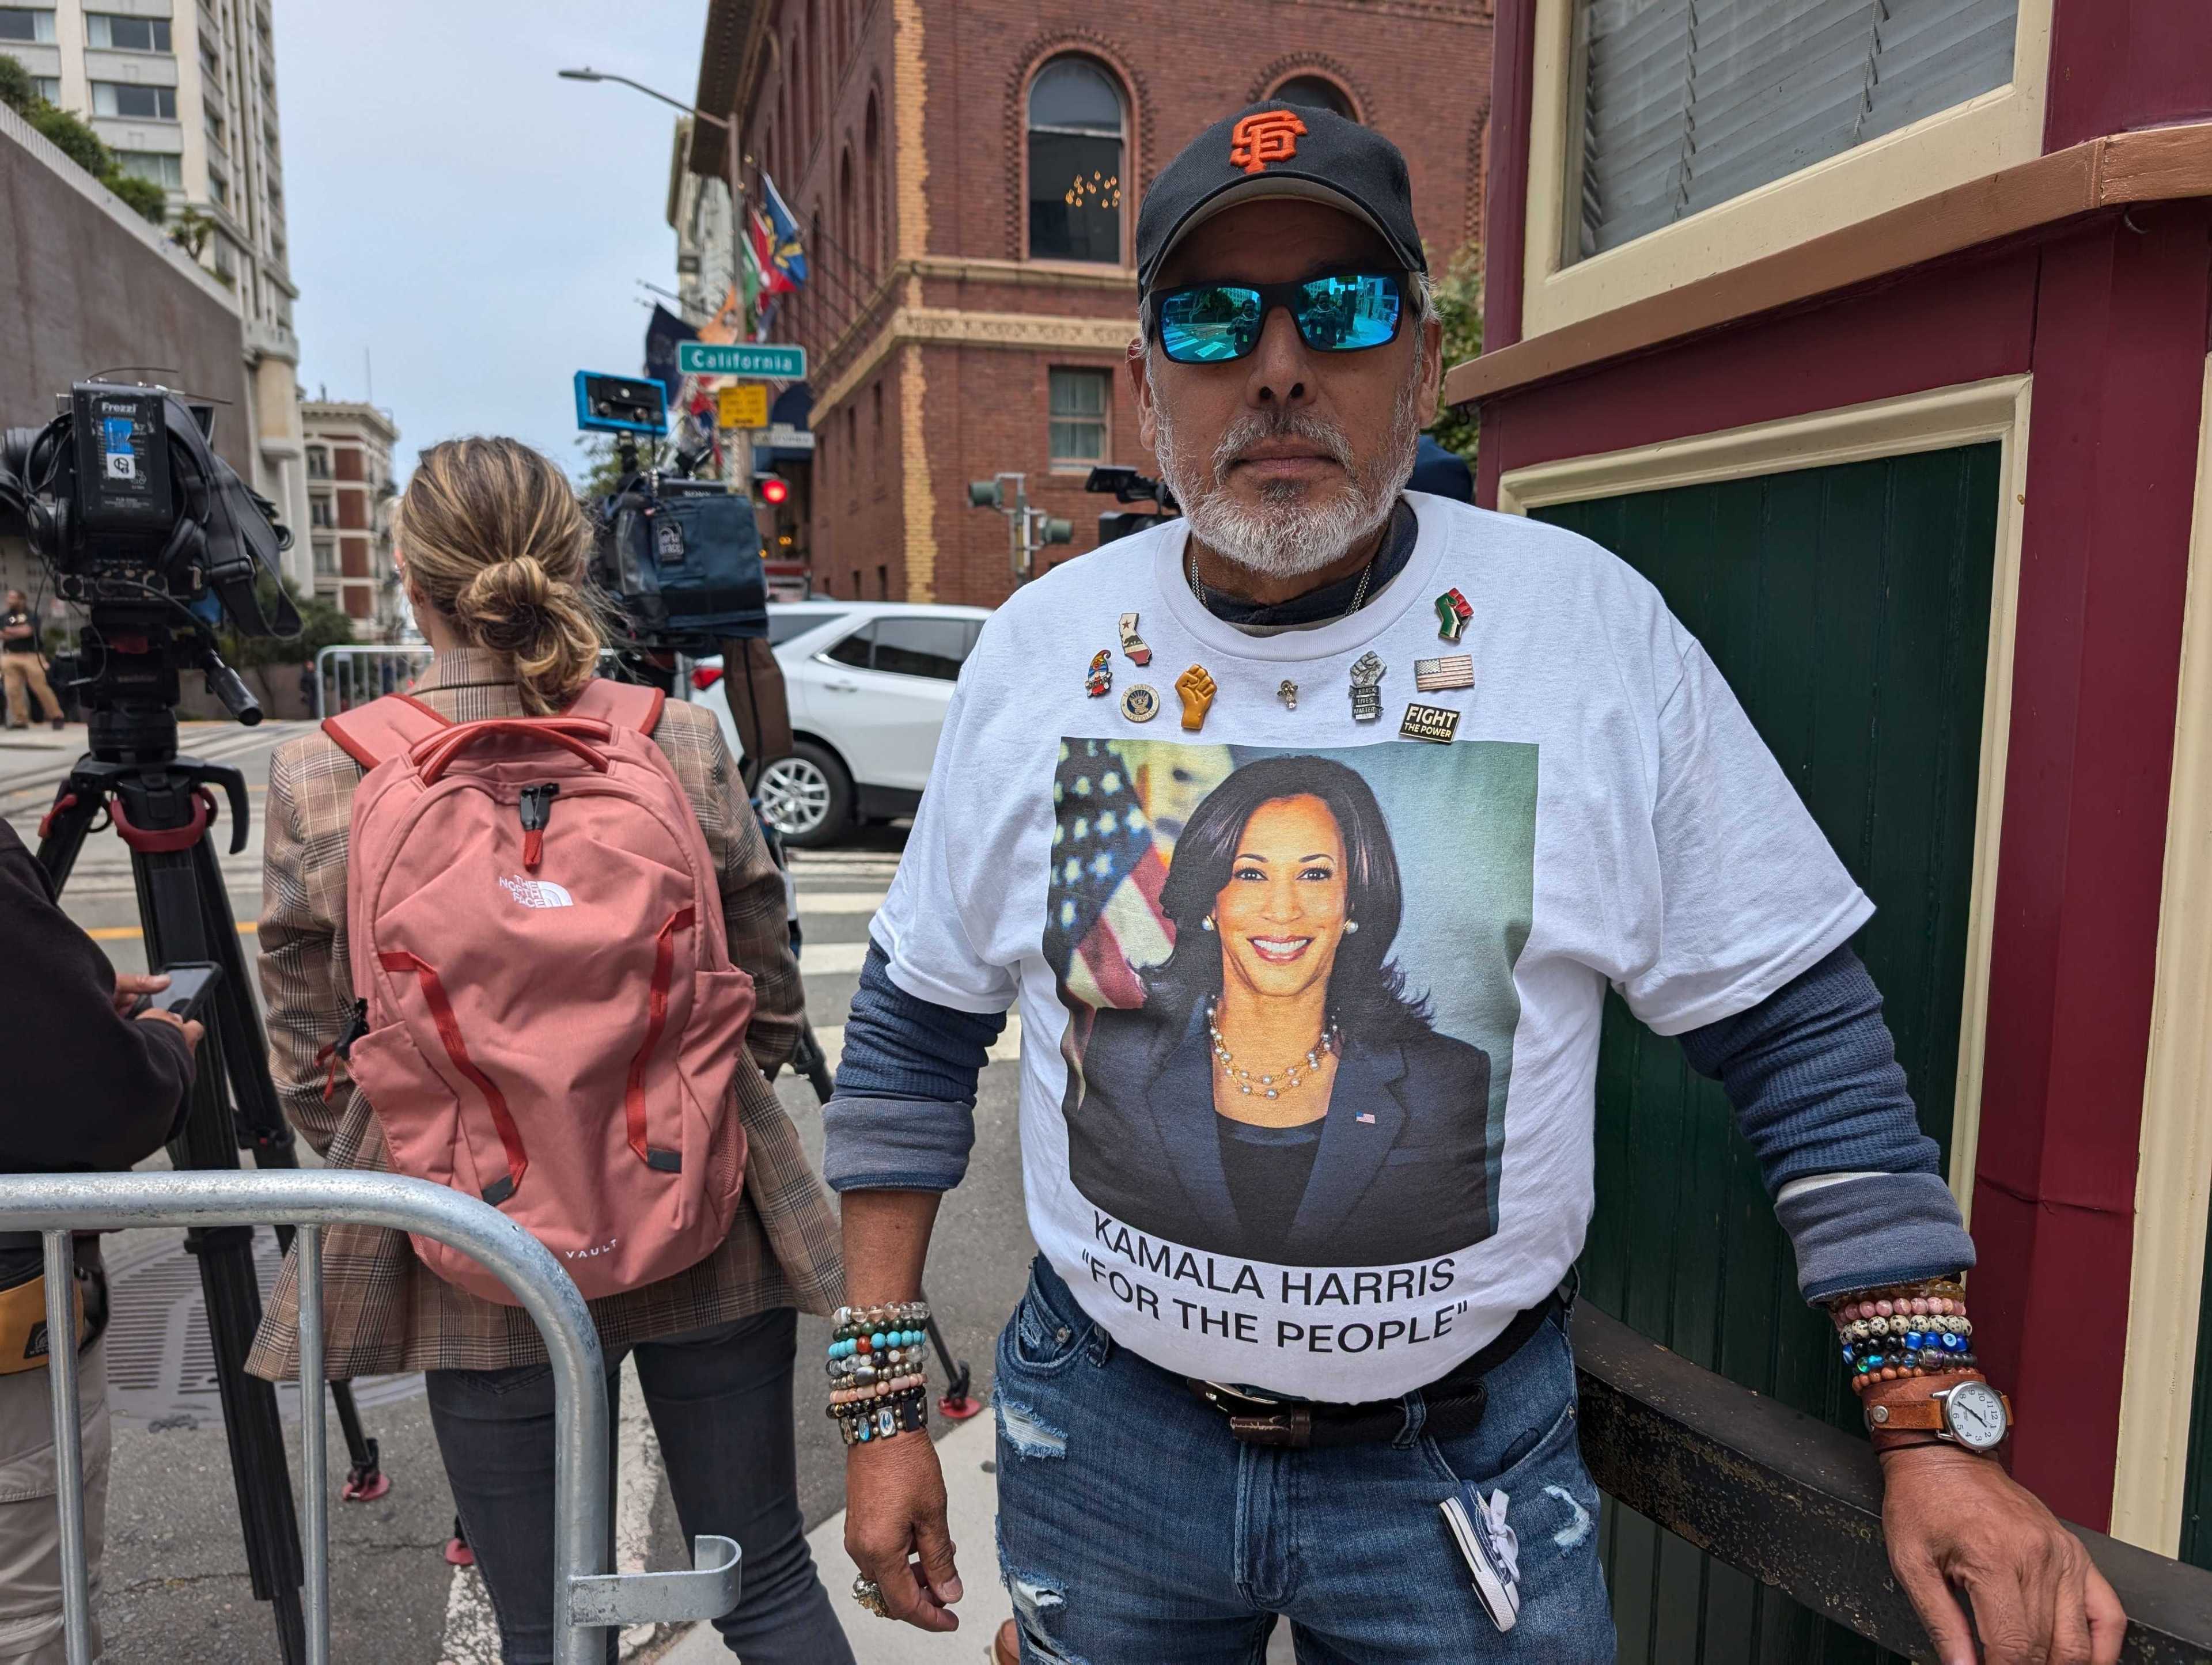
(1286, 536)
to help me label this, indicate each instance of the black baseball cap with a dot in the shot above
(1280, 149)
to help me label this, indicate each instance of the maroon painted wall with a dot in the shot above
(2111, 320)
(2117, 66)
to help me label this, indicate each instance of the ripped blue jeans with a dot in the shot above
(1132, 1530)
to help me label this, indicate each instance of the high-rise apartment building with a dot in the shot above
(349, 527)
(184, 93)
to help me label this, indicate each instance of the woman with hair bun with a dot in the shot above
(491, 550)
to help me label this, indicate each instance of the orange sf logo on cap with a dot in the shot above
(1264, 136)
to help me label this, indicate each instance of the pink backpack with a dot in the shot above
(548, 1017)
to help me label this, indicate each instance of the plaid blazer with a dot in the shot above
(384, 1311)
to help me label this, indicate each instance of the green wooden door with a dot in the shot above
(1848, 607)
(2196, 1495)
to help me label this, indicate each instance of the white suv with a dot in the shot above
(869, 683)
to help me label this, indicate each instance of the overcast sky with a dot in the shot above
(475, 225)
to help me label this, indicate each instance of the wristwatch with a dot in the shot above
(1969, 1413)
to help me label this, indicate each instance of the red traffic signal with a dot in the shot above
(774, 490)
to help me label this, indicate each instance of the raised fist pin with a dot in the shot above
(1197, 688)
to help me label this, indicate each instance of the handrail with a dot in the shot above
(588, 1594)
(1797, 1504)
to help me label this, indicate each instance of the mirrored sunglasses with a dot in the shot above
(1217, 323)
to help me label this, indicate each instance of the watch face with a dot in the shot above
(1976, 1414)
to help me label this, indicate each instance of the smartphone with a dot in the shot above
(191, 985)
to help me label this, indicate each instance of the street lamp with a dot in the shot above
(589, 74)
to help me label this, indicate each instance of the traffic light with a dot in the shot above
(1052, 530)
(775, 490)
(986, 494)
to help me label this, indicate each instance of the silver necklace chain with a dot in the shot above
(1358, 594)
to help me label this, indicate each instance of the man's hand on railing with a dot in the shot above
(130, 985)
(1955, 1521)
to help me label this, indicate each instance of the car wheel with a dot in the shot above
(807, 797)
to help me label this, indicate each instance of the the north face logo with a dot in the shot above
(1264, 136)
(537, 892)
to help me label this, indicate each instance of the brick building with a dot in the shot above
(966, 176)
(349, 492)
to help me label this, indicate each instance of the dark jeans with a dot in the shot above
(720, 1402)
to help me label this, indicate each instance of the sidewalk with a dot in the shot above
(40, 756)
(971, 1490)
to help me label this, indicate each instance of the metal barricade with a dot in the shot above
(585, 1589)
(352, 676)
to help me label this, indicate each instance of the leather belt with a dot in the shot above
(1453, 1402)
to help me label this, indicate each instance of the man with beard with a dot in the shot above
(1196, 1438)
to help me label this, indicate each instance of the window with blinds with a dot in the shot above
(1686, 103)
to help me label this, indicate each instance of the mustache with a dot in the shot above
(1258, 426)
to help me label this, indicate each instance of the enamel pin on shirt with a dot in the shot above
(1288, 694)
(1428, 722)
(1100, 679)
(1453, 671)
(1197, 687)
(1139, 704)
(1452, 615)
(1366, 694)
(1132, 643)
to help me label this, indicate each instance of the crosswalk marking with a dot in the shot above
(829, 958)
(1006, 1049)
(839, 901)
(246, 928)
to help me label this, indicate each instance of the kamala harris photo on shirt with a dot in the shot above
(1281, 1094)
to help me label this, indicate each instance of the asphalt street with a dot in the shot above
(175, 1586)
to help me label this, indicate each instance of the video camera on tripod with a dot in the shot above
(141, 523)
(680, 558)
(1127, 486)
(139, 520)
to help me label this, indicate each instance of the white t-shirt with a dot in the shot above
(1310, 1008)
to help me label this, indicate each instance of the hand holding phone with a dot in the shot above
(177, 995)
(191, 985)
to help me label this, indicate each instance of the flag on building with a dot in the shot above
(662, 332)
(789, 256)
(769, 261)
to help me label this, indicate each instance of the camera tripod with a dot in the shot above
(162, 807)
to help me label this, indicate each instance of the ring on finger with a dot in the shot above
(869, 1594)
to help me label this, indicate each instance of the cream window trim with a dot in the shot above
(2173, 1178)
(2001, 129)
(1934, 421)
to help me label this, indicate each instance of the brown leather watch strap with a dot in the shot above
(1887, 1441)
(1907, 1412)
(1905, 1416)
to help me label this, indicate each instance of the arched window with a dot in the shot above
(871, 185)
(1315, 93)
(813, 62)
(794, 75)
(783, 131)
(1078, 140)
(817, 308)
(848, 236)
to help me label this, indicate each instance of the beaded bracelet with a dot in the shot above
(1904, 1331)
(906, 1413)
(876, 1387)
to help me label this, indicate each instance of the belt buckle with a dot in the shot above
(1258, 1420)
(1292, 1428)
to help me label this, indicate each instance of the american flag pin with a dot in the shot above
(1365, 1115)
